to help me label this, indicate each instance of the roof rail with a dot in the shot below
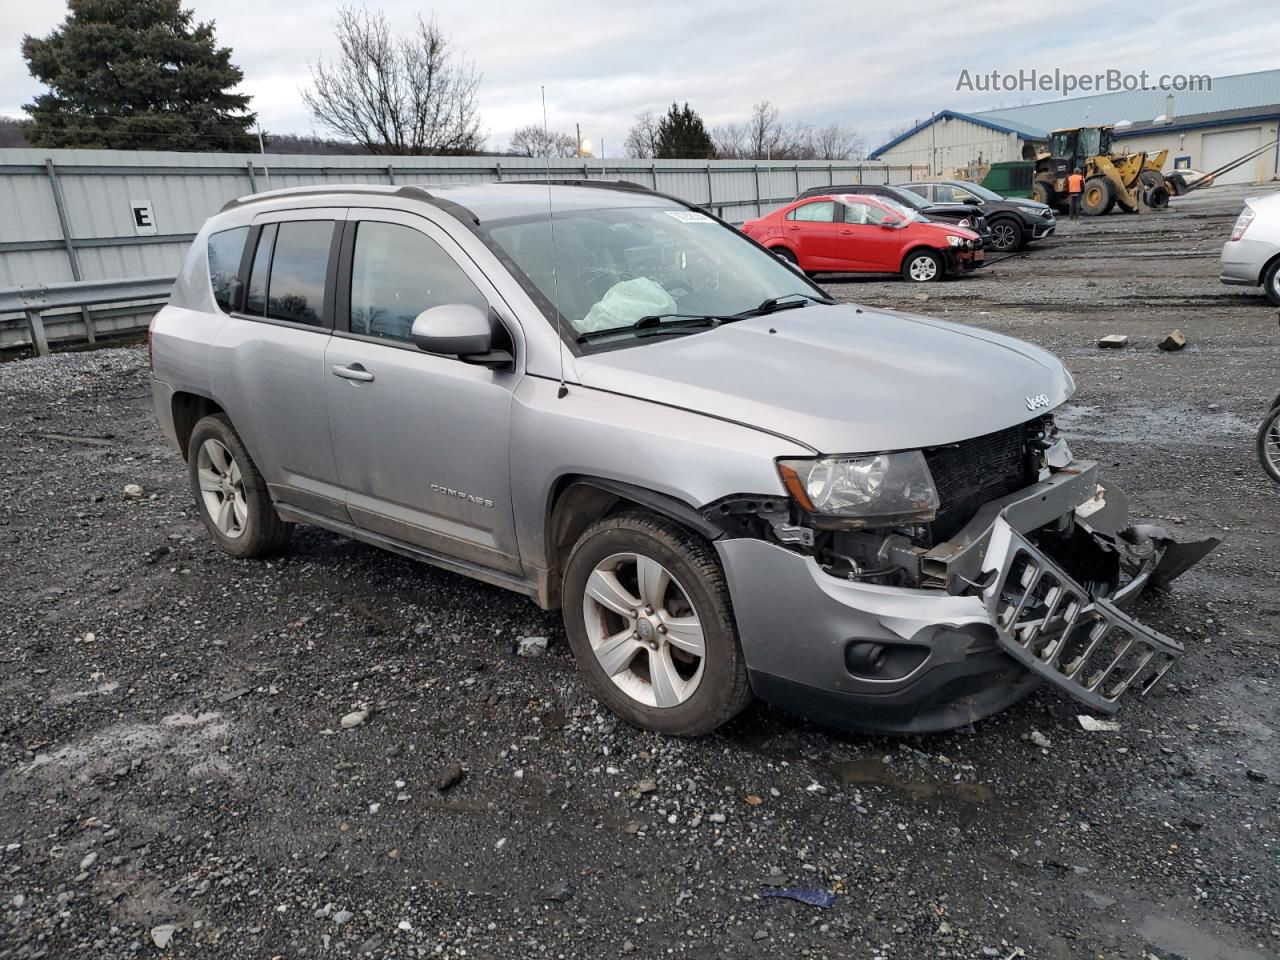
(629, 185)
(316, 190)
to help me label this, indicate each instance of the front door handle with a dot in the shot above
(353, 372)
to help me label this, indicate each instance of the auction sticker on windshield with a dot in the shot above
(689, 216)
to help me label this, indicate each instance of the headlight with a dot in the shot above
(956, 241)
(889, 488)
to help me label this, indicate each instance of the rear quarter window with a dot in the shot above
(226, 247)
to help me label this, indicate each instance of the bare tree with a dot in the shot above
(396, 94)
(765, 133)
(533, 141)
(11, 133)
(730, 140)
(642, 138)
(835, 142)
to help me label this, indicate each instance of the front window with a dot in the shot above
(396, 274)
(614, 266)
(881, 210)
(1090, 142)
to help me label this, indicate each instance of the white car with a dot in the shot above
(1251, 257)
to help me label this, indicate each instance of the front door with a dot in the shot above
(870, 237)
(421, 440)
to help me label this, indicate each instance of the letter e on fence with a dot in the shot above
(144, 220)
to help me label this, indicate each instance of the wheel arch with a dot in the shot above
(1266, 268)
(917, 248)
(189, 409)
(577, 500)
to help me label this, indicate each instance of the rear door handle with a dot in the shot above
(353, 372)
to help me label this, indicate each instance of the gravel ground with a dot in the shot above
(174, 768)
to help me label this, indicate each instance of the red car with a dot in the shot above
(858, 233)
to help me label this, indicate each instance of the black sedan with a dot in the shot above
(1014, 222)
(966, 217)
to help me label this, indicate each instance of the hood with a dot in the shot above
(842, 379)
(950, 226)
(1033, 205)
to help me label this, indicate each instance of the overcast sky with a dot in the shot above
(873, 66)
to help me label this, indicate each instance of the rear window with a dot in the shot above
(287, 280)
(225, 250)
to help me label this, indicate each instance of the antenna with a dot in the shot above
(555, 275)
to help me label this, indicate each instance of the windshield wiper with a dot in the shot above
(784, 302)
(659, 324)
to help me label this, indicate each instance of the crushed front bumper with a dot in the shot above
(1033, 589)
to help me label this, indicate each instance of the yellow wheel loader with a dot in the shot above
(1110, 179)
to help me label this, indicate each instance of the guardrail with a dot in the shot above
(35, 301)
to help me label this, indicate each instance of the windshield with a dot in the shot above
(905, 197)
(615, 266)
(980, 191)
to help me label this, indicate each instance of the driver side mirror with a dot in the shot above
(461, 330)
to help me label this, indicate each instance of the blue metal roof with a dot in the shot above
(1003, 126)
(1227, 93)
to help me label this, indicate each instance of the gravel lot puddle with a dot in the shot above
(1183, 940)
(181, 739)
(878, 774)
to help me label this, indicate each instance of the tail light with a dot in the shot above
(1246, 217)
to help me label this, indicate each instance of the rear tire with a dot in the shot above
(922, 266)
(1268, 444)
(231, 495)
(782, 253)
(1097, 198)
(641, 597)
(1007, 234)
(1271, 283)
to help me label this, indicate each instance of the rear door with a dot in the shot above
(267, 362)
(422, 441)
(815, 230)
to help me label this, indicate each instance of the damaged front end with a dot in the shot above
(1025, 557)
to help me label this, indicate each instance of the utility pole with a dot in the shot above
(577, 129)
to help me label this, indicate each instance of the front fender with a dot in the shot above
(688, 458)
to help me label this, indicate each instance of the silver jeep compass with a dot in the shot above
(618, 405)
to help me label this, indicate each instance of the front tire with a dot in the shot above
(922, 266)
(230, 493)
(1007, 235)
(648, 616)
(1041, 191)
(1097, 198)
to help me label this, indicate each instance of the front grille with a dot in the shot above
(972, 472)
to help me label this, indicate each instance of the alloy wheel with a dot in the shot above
(923, 268)
(222, 488)
(1002, 235)
(643, 630)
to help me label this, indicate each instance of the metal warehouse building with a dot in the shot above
(1202, 129)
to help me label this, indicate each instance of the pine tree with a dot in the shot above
(683, 136)
(135, 75)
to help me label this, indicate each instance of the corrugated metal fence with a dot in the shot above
(113, 214)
